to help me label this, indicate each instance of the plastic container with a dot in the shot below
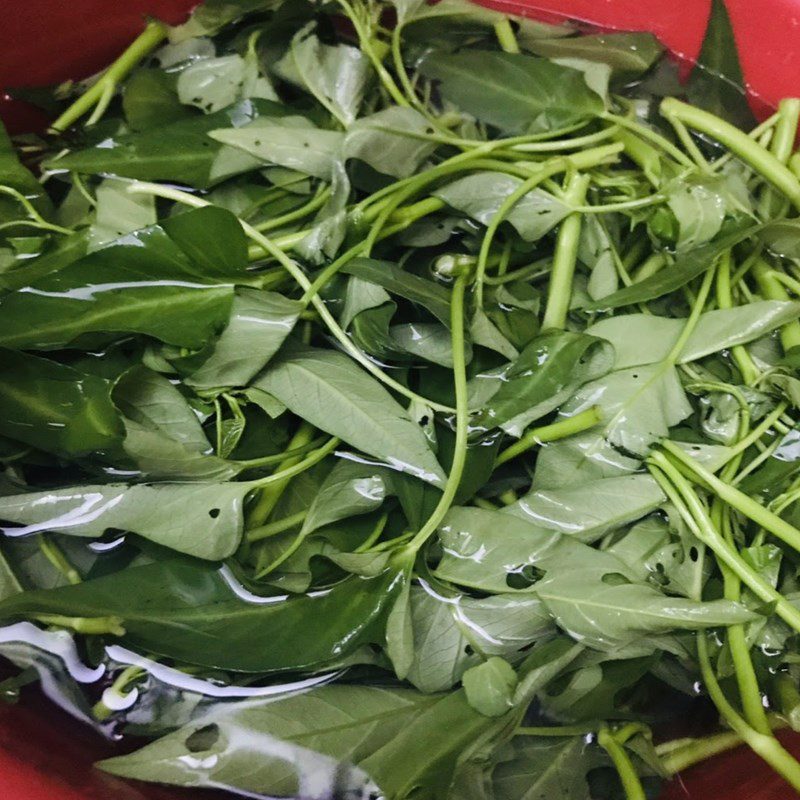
(43, 753)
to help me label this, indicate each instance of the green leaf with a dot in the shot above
(547, 768)
(431, 296)
(158, 281)
(211, 84)
(14, 175)
(118, 212)
(629, 54)
(351, 488)
(202, 520)
(596, 251)
(399, 630)
(336, 75)
(55, 407)
(211, 16)
(606, 611)
(646, 339)
(716, 83)
(150, 400)
(481, 195)
(331, 739)
(699, 208)
(149, 100)
(543, 376)
(637, 407)
(291, 142)
(384, 141)
(517, 93)
(490, 687)
(686, 267)
(259, 323)
(588, 511)
(452, 632)
(198, 615)
(330, 391)
(495, 552)
(181, 151)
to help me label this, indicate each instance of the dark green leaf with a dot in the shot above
(716, 83)
(544, 375)
(686, 267)
(196, 615)
(628, 54)
(54, 407)
(181, 151)
(517, 93)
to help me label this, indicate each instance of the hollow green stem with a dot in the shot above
(564, 259)
(551, 433)
(53, 553)
(93, 626)
(622, 763)
(772, 289)
(312, 205)
(100, 93)
(274, 528)
(462, 416)
(505, 36)
(741, 356)
(269, 495)
(758, 158)
(736, 498)
(766, 745)
(677, 755)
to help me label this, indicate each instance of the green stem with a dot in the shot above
(99, 93)
(95, 626)
(692, 511)
(53, 553)
(766, 746)
(680, 754)
(564, 258)
(772, 289)
(782, 144)
(554, 730)
(741, 356)
(274, 528)
(739, 500)
(625, 769)
(314, 457)
(462, 416)
(551, 433)
(693, 318)
(299, 213)
(269, 496)
(505, 36)
(738, 142)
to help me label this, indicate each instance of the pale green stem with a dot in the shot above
(99, 94)
(749, 151)
(551, 433)
(566, 253)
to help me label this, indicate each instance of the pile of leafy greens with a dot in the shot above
(401, 400)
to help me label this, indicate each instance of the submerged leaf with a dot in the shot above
(517, 93)
(334, 394)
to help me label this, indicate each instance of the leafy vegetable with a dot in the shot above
(400, 399)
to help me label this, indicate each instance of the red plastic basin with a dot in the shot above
(44, 754)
